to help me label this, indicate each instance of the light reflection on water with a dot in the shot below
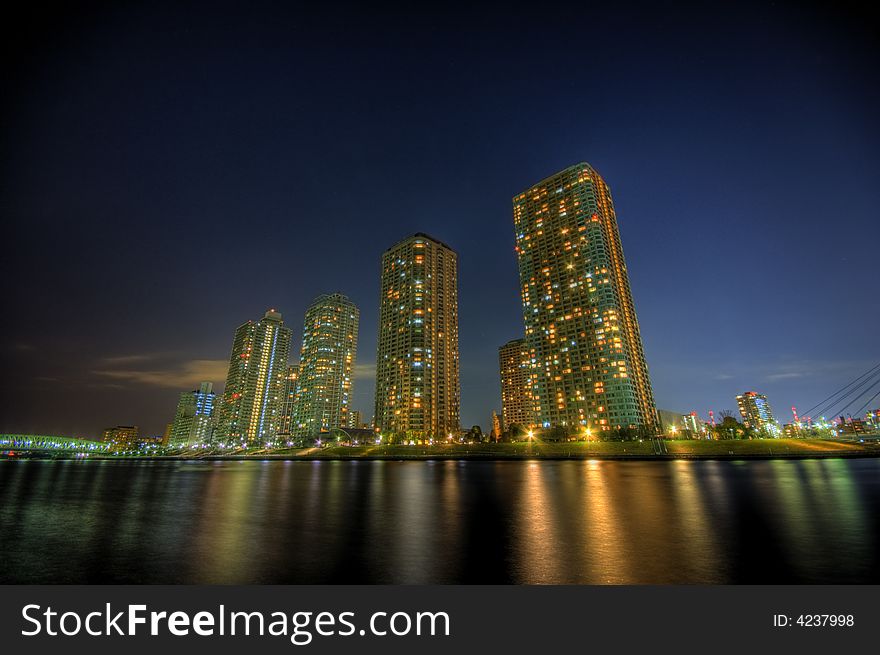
(595, 522)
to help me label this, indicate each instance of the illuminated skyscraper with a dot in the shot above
(326, 367)
(290, 382)
(417, 367)
(585, 349)
(516, 387)
(253, 397)
(756, 412)
(193, 419)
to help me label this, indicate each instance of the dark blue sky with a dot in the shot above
(169, 171)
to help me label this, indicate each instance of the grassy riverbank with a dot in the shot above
(659, 449)
(647, 449)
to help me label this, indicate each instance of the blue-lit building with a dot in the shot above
(253, 399)
(193, 422)
(756, 412)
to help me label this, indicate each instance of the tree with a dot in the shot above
(556, 433)
(730, 428)
(475, 434)
(515, 432)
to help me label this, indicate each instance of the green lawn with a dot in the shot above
(755, 447)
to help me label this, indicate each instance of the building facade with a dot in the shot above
(193, 422)
(693, 424)
(587, 361)
(326, 368)
(516, 385)
(289, 403)
(255, 384)
(417, 360)
(756, 412)
(121, 436)
(355, 419)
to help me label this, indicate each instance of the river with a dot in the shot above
(444, 522)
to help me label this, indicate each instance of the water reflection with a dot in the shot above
(597, 522)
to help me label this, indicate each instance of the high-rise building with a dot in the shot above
(193, 420)
(355, 419)
(585, 348)
(326, 366)
(252, 399)
(289, 402)
(516, 384)
(756, 412)
(417, 365)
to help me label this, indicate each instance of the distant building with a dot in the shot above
(853, 426)
(255, 384)
(497, 430)
(585, 348)
(671, 423)
(121, 436)
(289, 400)
(517, 406)
(193, 420)
(326, 365)
(355, 419)
(418, 391)
(756, 411)
(166, 436)
(692, 423)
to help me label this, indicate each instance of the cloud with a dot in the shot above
(723, 376)
(362, 371)
(122, 360)
(176, 375)
(784, 376)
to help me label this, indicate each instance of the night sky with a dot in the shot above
(172, 170)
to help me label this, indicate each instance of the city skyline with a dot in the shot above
(136, 217)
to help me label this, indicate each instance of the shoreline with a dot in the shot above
(475, 457)
(644, 450)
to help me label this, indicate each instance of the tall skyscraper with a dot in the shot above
(417, 366)
(326, 367)
(252, 399)
(585, 349)
(756, 412)
(193, 419)
(289, 402)
(516, 384)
